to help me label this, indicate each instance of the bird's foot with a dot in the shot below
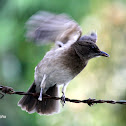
(63, 100)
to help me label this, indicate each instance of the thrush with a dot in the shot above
(62, 63)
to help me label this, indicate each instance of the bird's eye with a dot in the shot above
(92, 47)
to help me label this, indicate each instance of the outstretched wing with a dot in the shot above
(44, 27)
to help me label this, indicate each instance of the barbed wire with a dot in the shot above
(9, 90)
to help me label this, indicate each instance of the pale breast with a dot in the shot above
(54, 68)
(60, 67)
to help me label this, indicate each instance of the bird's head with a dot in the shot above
(86, 47)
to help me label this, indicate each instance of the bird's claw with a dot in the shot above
(63, 100)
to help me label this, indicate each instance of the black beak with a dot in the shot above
(103, 54)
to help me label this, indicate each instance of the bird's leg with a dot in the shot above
(42, 85)
(63, 94)
(40, 96)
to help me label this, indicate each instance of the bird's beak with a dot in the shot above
(103, 54)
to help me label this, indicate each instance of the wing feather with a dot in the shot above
(44, 27)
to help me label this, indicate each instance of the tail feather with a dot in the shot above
(46, 106)
(49, 106)
(28, 102)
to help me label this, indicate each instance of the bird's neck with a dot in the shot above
(73, 61)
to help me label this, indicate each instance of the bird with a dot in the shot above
(68, 57)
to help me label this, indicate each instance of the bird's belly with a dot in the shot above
(53, 76)
(60, 77)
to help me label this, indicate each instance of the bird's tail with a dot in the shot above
(45, 107)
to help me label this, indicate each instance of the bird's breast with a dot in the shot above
(59, 69)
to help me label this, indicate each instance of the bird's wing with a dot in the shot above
(44, 27)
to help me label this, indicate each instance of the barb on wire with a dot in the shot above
(9, 90)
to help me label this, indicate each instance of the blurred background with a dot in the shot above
(103, 78)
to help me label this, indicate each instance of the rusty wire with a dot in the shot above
(9, 90)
